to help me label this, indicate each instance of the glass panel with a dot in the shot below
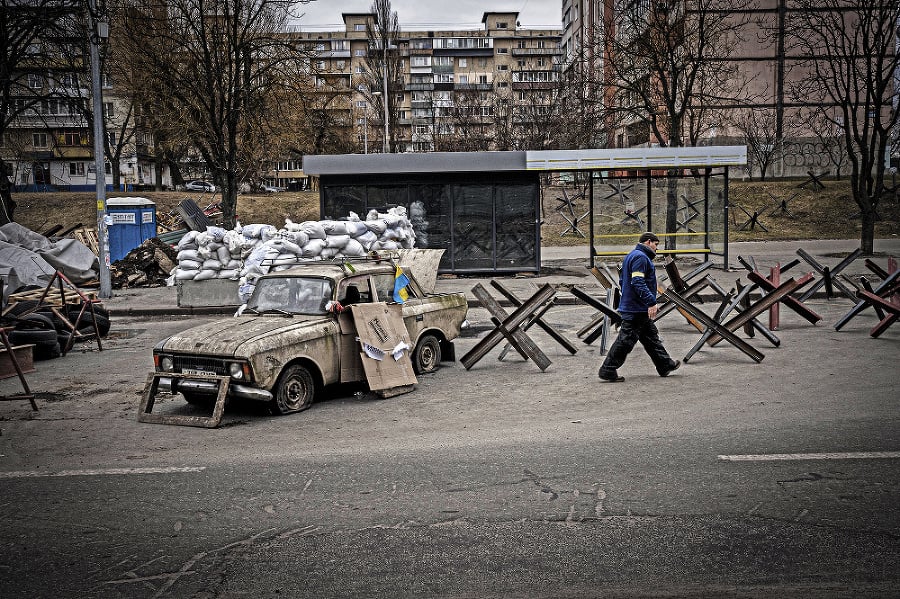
(429, 214)
(382, 197)
(341, 200)
(472, 226)
(516, 220)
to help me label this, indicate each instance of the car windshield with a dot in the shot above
(290, 295)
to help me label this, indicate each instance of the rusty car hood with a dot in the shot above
(225, 337)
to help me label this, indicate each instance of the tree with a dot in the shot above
(384, 77)
(213, 65)
(29, 36)
(757, 125)
(852, 65)
(667, 68)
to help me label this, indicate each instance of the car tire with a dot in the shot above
(46, 345)
(295, 390)
(426, 356)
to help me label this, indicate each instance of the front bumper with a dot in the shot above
(178, 383)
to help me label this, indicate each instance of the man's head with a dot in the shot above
(650, 240)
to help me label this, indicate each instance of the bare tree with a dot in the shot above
(667, 66)
(852, 65)
(30, 38)
(757, 125)
(213, 64)
(384, 76)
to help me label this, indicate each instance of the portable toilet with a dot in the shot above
(132, 221)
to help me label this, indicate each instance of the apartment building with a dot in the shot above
(450, 86)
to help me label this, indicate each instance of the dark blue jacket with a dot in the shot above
(638, 281)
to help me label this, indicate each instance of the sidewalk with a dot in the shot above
(561, 267)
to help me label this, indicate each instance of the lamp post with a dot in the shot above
(366, 131)
(384, 70)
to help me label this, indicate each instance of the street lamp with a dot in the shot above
(384, 69)
(366, 131)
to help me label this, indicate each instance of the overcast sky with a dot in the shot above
(439, 14)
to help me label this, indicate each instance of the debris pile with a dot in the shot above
(148, 265)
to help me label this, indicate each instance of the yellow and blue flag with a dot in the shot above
(400, 283)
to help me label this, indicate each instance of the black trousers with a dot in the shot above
(636, 328)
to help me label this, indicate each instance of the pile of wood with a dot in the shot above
(147, 265)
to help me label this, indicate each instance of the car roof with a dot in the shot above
(335, 270)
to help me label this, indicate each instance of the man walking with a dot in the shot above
(638, 308)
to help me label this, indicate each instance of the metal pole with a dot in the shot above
(365, 133)
(386, 145)
(99, 32)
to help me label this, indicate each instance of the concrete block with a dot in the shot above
(210, 292)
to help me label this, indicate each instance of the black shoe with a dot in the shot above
(610, 378)
(673, 369)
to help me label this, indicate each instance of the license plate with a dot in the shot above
(195, 371)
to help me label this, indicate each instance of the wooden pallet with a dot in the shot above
(88, 237)
(53, 297)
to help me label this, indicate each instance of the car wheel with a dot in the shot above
(294, 391)
(427, 355)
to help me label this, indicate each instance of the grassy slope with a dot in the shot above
(825, 214)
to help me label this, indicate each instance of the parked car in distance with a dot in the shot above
(200, 186)
(296, 335)
(271, 189)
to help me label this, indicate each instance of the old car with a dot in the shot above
(296, 335)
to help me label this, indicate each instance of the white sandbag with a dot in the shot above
(337, 241)
(223, 254)
(229, 274)
(216, 233)
(190, 264)
(188, 241)
(353, 248)
(334, 227)
(232, 264)
(286, 247)
(203, 275)
(185, 275)
(377, 226)
(356, 228)
(313, 248)
(329, 253)
(367, 239)
(313, 229)
(255, 231)
(297, 237)
(211, 264)
(187, 255)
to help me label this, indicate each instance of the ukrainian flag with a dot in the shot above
(400, 283)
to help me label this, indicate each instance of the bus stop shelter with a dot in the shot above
(484, 208)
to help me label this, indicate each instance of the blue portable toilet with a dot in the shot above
(132, 222)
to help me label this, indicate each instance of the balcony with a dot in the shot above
(537, 52)
(533, 85)
(418, 87)
(485, 87)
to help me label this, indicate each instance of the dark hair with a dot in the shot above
(648, 236)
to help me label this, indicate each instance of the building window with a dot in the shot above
(71, 138)
(359, 27)
(341, 65)
(109, 110)
(359, 53)
(463, 63)
(502, 84)
(359, 70)
(35, 81)
(502, 67)
(463, 79)
(111, 138)
(106, 81)
(76, 169)
(320, 64)
(69, 80)
(502, 50)
(502, 24)
(39, 140)
(361, 104)
(521, 64)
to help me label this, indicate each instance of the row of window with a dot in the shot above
(63, 80)
(57, 107)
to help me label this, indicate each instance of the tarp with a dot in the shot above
(34, 258)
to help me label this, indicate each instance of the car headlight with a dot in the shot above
(166, 364)
(236, 370)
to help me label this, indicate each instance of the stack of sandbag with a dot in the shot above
(250, 251)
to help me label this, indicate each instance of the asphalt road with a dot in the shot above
(501, 481)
